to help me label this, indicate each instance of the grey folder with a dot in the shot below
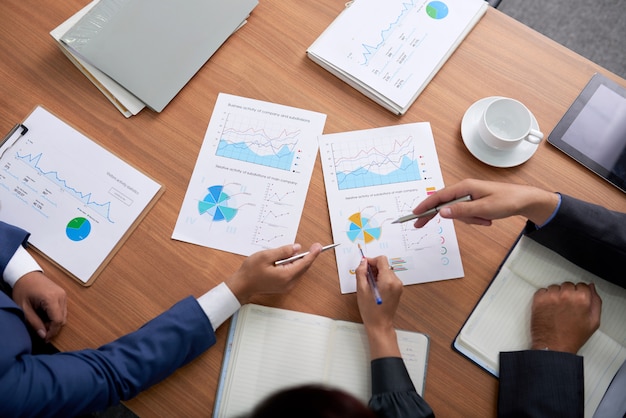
(154, 47)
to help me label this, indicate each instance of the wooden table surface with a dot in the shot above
(266, 60)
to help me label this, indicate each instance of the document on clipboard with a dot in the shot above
(78, 200)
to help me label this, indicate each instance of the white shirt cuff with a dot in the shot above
(20, 264)
(219, 304)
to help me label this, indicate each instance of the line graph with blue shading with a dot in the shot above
(103, 209)
(370, 50)
(375, 162)
(258, 143)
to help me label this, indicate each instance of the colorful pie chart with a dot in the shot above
(217, 204)
(78, 229)
(362, 229)
(437, 9)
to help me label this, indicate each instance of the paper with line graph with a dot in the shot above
(374, 176)
(248, 187)
(78, 200)
(391, 50)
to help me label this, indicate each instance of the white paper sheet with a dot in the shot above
(248, 187)
(76, 198)
(373, 177)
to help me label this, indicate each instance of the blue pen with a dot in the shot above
(372, 280)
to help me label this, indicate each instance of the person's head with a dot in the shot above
(312, 401)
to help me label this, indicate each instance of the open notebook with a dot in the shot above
(501, 319)
(269, 349)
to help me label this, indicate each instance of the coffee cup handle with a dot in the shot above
(534, 136)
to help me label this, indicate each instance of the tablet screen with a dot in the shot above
(593, 130)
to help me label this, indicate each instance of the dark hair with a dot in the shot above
(312, 401)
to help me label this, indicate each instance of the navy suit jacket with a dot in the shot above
(74, 383)
(551, 384)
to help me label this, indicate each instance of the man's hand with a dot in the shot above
(490, 201)
(259, 275)
(44, 303)
(564, 317)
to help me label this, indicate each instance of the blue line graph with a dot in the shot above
(375, 162)
(102, 209)
(370, 50)
(264, 145)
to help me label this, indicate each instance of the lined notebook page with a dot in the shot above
(414, 348)
(349, 363)
(273, 349)
(501, 321)
(269, 350)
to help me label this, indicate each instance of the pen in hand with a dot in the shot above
(301, 255)
(432, 211)
(372, 280)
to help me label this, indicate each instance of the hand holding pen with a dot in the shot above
(378, 319)
(259, 274)
(371, 279)
(489, 201)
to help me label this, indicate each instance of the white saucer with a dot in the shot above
(497, 158)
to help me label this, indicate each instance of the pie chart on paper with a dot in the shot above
(437, 9)
(78, 229)
(362, 229)
(217, 204)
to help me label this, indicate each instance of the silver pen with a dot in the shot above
(432, 211)
(301, 255)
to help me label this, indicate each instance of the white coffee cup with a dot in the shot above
(505, 123)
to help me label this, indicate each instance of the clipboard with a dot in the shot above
(79, 201)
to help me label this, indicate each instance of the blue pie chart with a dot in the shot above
(217, 204)
(78, 229)
(437, 9)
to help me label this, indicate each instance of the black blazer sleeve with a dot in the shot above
(588, 235)
(393, 393)
(538, 383)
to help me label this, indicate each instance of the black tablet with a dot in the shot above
(593, 130)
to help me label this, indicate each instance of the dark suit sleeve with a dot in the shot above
(536, 383)
(588, 235)
(74, 383)
(393, 393)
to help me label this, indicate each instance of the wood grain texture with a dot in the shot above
(266, 60)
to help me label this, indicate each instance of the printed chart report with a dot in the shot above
(395, 49)
(374, 176)
(76, 199)
(250, 181)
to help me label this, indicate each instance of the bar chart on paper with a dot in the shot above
(374, 176)
(248, 188)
